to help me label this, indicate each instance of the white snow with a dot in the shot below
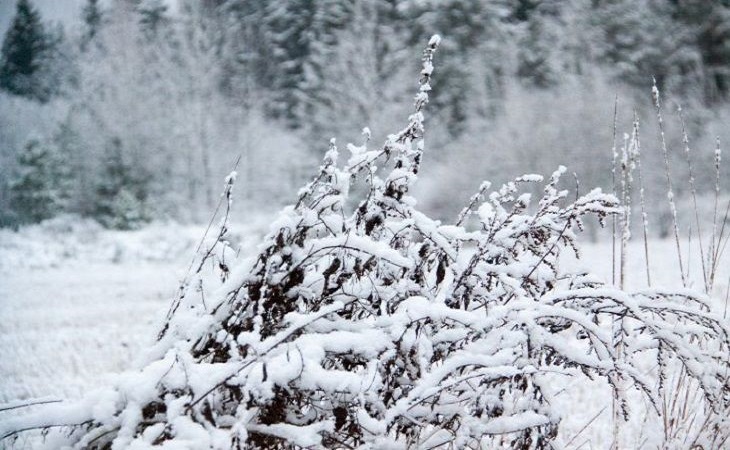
(66, 329)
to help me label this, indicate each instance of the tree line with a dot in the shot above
(137, 108)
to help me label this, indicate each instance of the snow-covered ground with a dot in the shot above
(65, 329)
(77, 303)
(71, 241)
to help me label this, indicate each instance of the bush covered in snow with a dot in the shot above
(363, 323)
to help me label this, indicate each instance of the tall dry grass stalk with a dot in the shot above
(668, 174)
(614, 159)
(689, 419)
(693, 191)
(627, 162)
(719, 239)
(717, 161)
(642, 200)
(727, 298)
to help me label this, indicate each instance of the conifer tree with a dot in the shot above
(298, 30)
(342, 75)
(710, 23)
(71, 152)
(35, 193)
(24, 52)
(153, 14)
(288, 25)
(91, 15)
(535, 63)
(120, 195)
(247, 66)
(641, 40)
(474, 55)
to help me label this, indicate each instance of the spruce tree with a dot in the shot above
(535, 58)
(91, 15)
(350, 65)
(247, 65)
(289, 27)
(24, 51)
(710, 24)
(70, 152)
(35, 193)
(644, 39)
(473, 32)
(120, 196)
(153, 15)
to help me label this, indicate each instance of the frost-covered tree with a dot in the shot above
(121, 193)
(246, 63)
(25, 51)
(363, 323)
(288, 29)
(710, 24)
(299, 31)
(21, 120)
(152, 90)
(642, 40)
(92, 19)
(477, 57)
(153, 16)
(339, 78)
(536, 60)
(78, 181)
(186, 102)
(36, 193)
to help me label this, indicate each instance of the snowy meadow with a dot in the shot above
(70, 326)
(361, 322)
(529, 253)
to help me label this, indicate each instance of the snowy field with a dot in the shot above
(64, 329)
(77, 303)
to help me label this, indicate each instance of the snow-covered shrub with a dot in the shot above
(363, 323)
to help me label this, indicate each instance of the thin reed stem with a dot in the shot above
(714, 244)
(727, 297)
(667, 172)
(626, 162)
(693, 190)
(644, 215)
(614, 157)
